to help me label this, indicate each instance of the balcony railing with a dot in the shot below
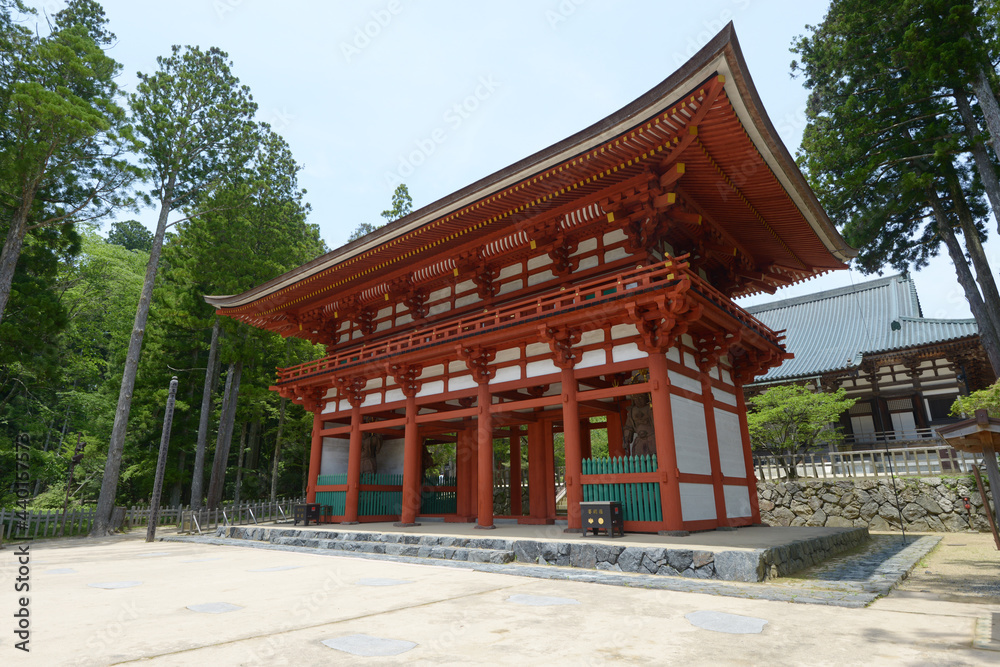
(589, 295)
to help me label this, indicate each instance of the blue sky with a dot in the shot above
(440, 94)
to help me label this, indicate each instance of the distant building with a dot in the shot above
(872, 339)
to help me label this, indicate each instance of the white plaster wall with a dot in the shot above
(690, 436)
(697, 501)
(731, 460)
(334, 458)
(737, 501)
(390, 457)
(684, 382)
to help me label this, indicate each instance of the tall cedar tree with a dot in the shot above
(62, 133)
(227, 250)
(195, 123)
(885, 151)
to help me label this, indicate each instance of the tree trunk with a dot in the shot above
(211, 379)
(974, 245)
(277, 449)
(979, 153)
(224, 440)
(987, 333)
(991, 109)
(12, 250)
(239, 462)
(112, 467)
(254, 443)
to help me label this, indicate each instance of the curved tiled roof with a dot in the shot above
(833, 330)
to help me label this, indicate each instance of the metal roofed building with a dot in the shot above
(872, 339)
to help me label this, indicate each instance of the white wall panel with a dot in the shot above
(697, 502)
(690, 436)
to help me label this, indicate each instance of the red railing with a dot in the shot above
(586, 295)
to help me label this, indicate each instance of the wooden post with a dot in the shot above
(549, 457)
(515, 471)
(574, 458)
(315, 455)
(465, 472)
(666, 454)
(411, 463)
(537, 487)
(161, 462)
(353, 465)
(992, 474)
(586, 450)
(484, 423)
(616, 446)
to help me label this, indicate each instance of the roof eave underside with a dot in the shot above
(722, 55)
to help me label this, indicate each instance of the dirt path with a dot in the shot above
(964, 567)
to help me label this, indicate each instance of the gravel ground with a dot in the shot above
(964, 567)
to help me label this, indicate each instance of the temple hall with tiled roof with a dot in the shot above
(872, 339)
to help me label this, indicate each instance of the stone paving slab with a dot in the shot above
(844, 593)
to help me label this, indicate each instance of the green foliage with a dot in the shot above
(63, 134)
(788, 421)
(984, 399)
(131, 235)
(402, 204)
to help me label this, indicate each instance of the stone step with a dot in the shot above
(271, 534)
(473, 555)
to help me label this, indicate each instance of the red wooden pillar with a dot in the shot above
(465, 472)
(666, 454)
(411, 463)
(586, 451)
(315, 456)
(707, 400)
(574, 458)
(549, 452)
(741, 407)
(537, 487)
(616, 447)
(353, 463)
(485, 447)
(515, 471)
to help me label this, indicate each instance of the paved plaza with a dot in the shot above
(123, 601)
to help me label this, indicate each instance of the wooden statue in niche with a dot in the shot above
(639, 437)
(371, 445)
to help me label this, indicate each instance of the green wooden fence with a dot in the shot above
(439, 501)
(336, 500)
(380, 503)
(323, 480)
(640, 500)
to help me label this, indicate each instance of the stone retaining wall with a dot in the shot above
(927, 503)
(757, 564)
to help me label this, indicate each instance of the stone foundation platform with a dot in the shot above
(758, 560)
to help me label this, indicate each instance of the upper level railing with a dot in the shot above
(905, 461)
(590, 294)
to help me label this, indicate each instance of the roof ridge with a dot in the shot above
(827, 294)
(968, 320)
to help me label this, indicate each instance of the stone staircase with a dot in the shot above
(473, 550)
